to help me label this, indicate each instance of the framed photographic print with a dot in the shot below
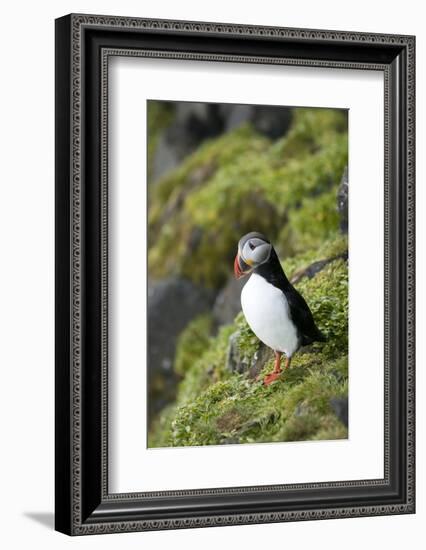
(234, 274)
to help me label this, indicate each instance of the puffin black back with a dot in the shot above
(302, 316)
(273, 272)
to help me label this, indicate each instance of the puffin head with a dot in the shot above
(254, 249)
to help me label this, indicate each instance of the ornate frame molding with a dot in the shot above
(73, 504)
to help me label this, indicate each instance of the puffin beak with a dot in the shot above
(237, 270)
(239, 265)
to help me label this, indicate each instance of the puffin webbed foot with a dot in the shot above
(273, 377)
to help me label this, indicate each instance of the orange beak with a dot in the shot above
(237, 269)
(241, 268)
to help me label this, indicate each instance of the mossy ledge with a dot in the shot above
(215, 405)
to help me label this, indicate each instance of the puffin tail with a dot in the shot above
(318, 336)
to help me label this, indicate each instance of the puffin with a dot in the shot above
(275, 311)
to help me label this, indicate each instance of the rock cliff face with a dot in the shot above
(342, 202)
(190, 124)
(172, 304)
(288, 181)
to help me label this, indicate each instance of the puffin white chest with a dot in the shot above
(267, 312)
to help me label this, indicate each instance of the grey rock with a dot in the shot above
(193, 123)
(340, 408)
(234, 361)
(273, 122)
(195, 239)
(315, 267)
(342, 201)
(172, 304)
(259, 360)
(301, 410)
(164, 159)
(250, 365)
(236, 115)
(228, 303)
(230, 441)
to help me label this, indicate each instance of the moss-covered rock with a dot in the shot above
(216, 406)
(242, 182)
(192, 343)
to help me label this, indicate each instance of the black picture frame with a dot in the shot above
(83, 45)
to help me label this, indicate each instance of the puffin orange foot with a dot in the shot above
(272, 377)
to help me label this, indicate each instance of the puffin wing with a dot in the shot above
(302, 317)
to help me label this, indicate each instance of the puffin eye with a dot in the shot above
(251, 246)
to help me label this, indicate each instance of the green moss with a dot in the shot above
(328, 300)
(335, 246)
(160, 432)
(311, 130)
(238, 410)
(208, 369)
(194, 221)
(215, 406)
(247, 342)
(314, 221)
(242, 182)
(205, 160)
(192, 343)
